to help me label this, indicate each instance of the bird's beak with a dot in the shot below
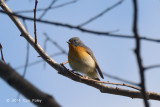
(68, 42)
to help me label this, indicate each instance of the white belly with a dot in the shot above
(83, 65)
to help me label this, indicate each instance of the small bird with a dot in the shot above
(81, 59)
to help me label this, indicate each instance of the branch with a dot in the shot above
(151, 67)
(35, 30)
(119, 79)
(102, 13)
(121, 84)
(24, 87)
(48, 39)
(98, 33)
(138, 51)
(27, 58)
(97, 81)
(45, 49)
(61, 70)
(38, 61)
(106, 89)
(27, 54)
(54, 43)
(54, 7)
(2, 53)
(45, 10)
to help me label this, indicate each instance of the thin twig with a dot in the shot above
(38, 61)
(45, 10)
(64, 63)
(119, 79)
(55, 43)
(27, 54)
(97, 33)
(121, 84)
(48, 39)
(138, 52)
(2, 53)
(35, 30)
(151, 67)
(101, 13)
(45, 49)
(42, 9)
(27, 58)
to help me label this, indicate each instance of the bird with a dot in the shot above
(81, 59)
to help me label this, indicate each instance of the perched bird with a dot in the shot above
(81, 59)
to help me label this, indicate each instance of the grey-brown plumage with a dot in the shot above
(81, 59)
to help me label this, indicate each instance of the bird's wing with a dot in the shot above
(97, 66)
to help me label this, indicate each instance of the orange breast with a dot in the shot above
(80, 60)
(77, 52)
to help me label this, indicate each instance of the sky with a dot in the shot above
(114, 55)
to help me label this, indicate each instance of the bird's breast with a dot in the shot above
(79, 59)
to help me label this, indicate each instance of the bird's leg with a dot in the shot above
(63, 63)
(74, 71)
(85, 76)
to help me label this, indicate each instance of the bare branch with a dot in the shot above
(35, 30)
(45, 49)
(27, 54)
(63, 63)
(48, 39)
(45, 11)
(138, 51)
(29, 91)
(42, 9)
(27, 59)
(121, 84)
(151, 67)
(2, 53)
(55, 43)
(97, 81)
(119, 79)
(98, 33)
(106, 89)
(100, 14)
(61, 70)
(38, 61)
